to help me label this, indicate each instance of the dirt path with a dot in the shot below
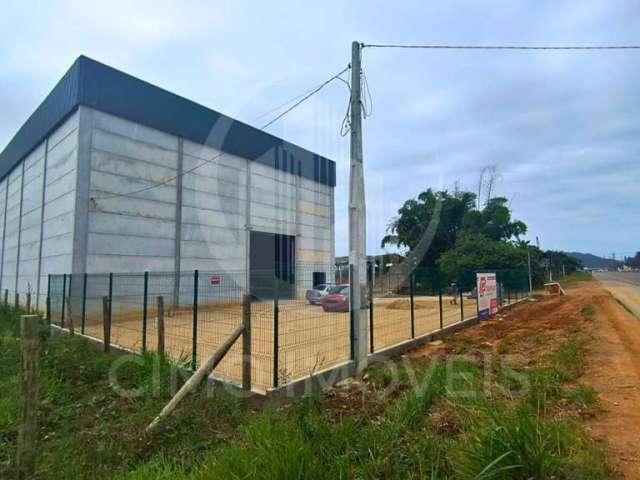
(613, 369)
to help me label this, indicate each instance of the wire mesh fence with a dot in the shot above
(300, 323)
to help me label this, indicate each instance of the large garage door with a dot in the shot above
(272, 257)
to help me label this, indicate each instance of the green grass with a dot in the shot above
(444, 424)
(577, 276)
(588, 310)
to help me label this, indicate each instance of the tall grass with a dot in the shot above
(89, 431)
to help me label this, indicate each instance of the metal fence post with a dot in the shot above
(461, 305)
(413, 314)
(48, 299)
(28, 303)
(64, 295)
(276, 332)
(145, 308)
(72, 327)
(16, 298)
(84, 303)
(352, 345)
(371, 336)
(6, 297)
(194, 341)
(160, 326)
(106, 323)
(440, 304)
(110, 303)
(246, 342)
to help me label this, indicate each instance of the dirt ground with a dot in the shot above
(612, 361)
(309, 339)
(614, 371)
(534, 328)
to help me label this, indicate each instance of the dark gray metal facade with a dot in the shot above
(104, 88)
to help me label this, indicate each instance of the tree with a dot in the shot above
(487, 182)
(494, 221)
(475, 251)
(429, 225)
(559, 258)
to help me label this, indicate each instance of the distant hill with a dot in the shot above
(593, 261)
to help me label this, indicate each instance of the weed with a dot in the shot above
(588, 310)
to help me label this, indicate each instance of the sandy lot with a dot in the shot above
(309, 338)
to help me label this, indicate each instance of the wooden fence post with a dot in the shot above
(160, 325)
(196, 379)
(246, 342)
(72, 329)
(28, 426)
(106, 322)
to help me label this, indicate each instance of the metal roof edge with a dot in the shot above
(57, 106)
(96, 85)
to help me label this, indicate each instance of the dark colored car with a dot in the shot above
(336, 300)
(314, 294)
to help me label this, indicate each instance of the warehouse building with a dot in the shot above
(113, 174)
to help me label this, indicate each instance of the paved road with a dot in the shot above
(624, 286)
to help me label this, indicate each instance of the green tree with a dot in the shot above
(429, 225)
(559, 258)
(475, 251)
(494, 221)
(432, 221)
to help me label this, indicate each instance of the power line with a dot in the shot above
(313, 92)
(504, 47)
(305, 96)
(282, 105)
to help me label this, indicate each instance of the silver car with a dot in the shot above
(314, 294)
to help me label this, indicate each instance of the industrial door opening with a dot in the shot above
(272, 257)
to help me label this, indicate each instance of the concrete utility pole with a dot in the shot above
(357, 217)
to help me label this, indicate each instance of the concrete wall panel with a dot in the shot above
(12, 231)
(133, 232)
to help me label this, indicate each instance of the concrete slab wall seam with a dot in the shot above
(83, 186)
(42, 203)
(177, 242)
(4, 228)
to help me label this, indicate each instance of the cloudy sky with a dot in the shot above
(563, 128)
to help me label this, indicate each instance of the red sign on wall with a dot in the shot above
(216, 280)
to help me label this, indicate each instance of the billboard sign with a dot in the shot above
(487, 295)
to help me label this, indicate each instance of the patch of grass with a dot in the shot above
(89, 430)
(588, 310)
(568, 359)
(577, 276)
(506, 443)
(583, 395)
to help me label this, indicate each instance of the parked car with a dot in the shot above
(314, 294)
(336, 300)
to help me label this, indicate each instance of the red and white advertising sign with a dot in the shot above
(216, 280)
(487, 294)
